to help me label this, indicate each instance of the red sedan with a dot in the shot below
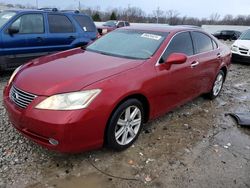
(82, 99)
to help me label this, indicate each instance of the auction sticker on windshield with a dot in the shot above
(151, 36)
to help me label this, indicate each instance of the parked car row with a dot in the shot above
(112, 25)
(102, 94)
(241, 48)
(227, 35)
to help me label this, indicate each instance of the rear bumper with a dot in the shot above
(240, 58)
(75, 131)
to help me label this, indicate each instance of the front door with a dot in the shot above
(177, 85)
(28, 40)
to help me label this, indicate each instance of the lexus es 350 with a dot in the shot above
(101, 95)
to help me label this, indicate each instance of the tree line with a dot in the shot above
(171, 17)
(137, 15)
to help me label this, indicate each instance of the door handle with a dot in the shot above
(72, 37)
(40, 39)
(194, 64)
(218, 56)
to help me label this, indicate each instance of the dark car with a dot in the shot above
(111, 25)
(227, 35)
(81, 99)
(26, 34)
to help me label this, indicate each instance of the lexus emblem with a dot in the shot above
(16, 96)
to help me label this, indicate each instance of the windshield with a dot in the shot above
(245, 35)
(5, 17)
(129, 44)
(110, 23)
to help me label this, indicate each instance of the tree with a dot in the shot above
(113, 16)
(96, 17)
(158, 14)
(173, 17)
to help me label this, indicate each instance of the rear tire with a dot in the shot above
(217, 85)
(125, 125)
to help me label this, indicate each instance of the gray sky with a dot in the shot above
(195, 8)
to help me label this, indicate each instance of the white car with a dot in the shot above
(241, 48)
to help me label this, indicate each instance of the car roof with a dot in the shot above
(75, 12)
(167, 29)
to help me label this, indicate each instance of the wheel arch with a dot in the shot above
(142, 98)
(224, 69)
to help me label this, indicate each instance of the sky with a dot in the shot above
(194, 8)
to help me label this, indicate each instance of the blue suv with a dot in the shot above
(27, 34)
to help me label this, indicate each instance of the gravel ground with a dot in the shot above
(196, 145)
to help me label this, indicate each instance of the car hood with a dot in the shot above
(242, 43)
(69, 71)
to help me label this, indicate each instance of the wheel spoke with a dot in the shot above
(124, 137)
(134, 113)
(119, 133)
(132, 132)
(121, 122)
(135, 122)
(127, 114)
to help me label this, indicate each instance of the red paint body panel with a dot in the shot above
(118, 78)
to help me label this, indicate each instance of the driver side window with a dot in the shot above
(29, 24)
(181, 43)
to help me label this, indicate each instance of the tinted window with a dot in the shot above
(127, 24)
(202, 42)
(224, 33)
(85, 22)
(120, 24)
(181, 43)
(29, 23)
(60, 24)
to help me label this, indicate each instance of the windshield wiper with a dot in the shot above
(115, 55)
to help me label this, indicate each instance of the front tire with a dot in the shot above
(217, 86)
(125, 125)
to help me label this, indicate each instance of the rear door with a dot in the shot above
(208, 58)
(61, 32)
(87, 28)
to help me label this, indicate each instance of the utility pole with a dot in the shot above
(37, 4)
(128, 12)
(157, 14)
(79, 6)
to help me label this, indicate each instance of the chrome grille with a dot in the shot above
(21, 98)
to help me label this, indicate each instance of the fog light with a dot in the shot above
(53, 142)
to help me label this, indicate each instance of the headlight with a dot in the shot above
(234, 48)
(69, 101)
(13, 75)
(104, 31)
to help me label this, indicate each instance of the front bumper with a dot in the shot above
(75, 131)
(240, 58)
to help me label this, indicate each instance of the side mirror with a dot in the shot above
(13, 30)
(175, 58)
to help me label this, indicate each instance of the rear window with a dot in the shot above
(85, 22)
(60, 24)
(202, 42)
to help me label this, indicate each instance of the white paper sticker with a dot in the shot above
(151, 36)
(84, 29)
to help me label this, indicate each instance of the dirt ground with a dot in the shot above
(196, 145)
